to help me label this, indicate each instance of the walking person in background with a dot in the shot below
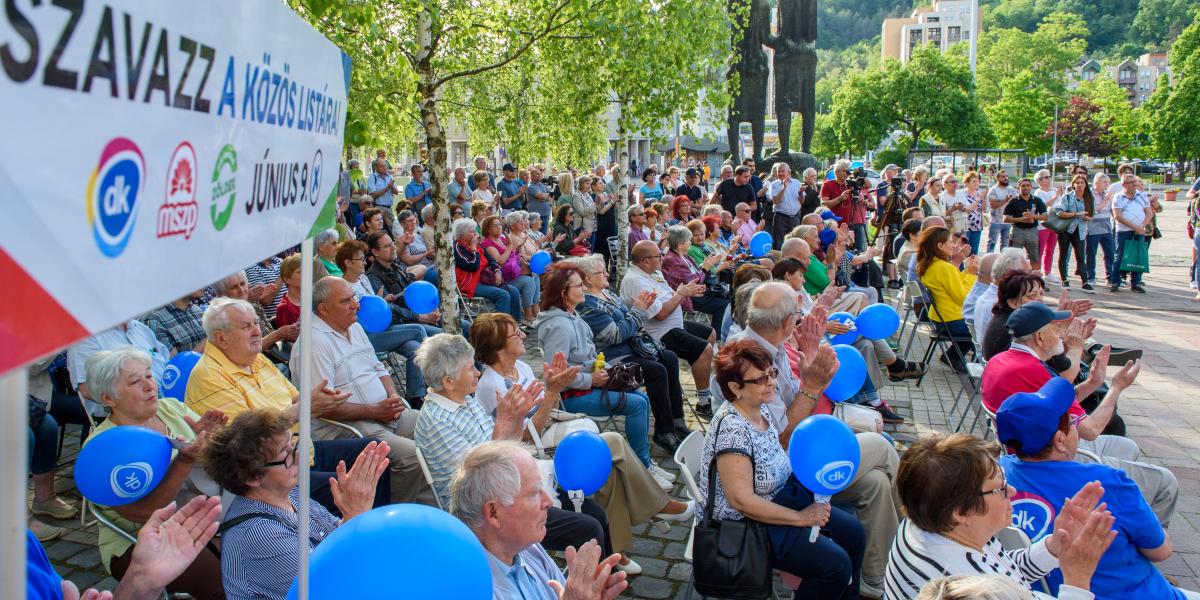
(1049, 194)
(1100, 230)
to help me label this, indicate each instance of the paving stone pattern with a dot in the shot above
(1162, 412)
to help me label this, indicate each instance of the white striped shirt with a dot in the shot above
(918, 556)
(260, 274)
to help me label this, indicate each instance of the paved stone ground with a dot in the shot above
(1162, 412)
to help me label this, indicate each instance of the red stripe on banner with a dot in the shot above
(32, 322)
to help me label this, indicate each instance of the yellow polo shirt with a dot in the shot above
(217, 383)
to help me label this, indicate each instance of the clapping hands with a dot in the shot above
(558, 373)
(354, 490)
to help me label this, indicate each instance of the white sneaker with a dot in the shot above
(688, 512)
(1052, 279)
(630, 568)
(1192, 284)
(660, 473)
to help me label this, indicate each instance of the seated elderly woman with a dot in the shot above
(680, 211)
(957, 499)
(560, 328)
(616, 326)
(123, 382)
(679, 269)
(526, 241)
(632, 494)
(479, 275)
(325, 244)
(254, 458)
(502, 251)
(939, 257)
(415, 254)
(754, 480)
(823, 268)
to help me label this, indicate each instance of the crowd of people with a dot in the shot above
(754, 328)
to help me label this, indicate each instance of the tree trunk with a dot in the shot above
(623, 200)
(435, 141)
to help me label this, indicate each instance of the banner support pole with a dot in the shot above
(306, 386)
(14, 446)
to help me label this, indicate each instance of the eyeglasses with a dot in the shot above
(357, 259)
(518, 334)
(1003, 489)
(574, 285)
(770, 375)
(289, 459)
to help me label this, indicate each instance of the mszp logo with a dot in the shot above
(112, 195)
(179, 212)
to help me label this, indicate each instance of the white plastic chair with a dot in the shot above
(428, 476)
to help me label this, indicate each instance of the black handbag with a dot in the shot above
(730, 559)
(644, 345)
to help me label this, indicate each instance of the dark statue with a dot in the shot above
(751, 32)
(795, 65)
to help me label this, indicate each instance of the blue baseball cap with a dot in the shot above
(1029, 420)
(827, 237)
(828, 214)
(1032, 317)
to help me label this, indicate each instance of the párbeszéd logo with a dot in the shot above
(224, 187)
(131, 480)
(180, 211)
(112, 195)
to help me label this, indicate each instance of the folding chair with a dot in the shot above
(350, 429)
(938, 339)
(132, 538)
(975, 380)
(912, 291)
(1011, 538)
(428, 475)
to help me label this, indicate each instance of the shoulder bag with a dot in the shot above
(1057, 223)
(731, 559)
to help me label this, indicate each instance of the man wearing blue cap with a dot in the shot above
(1039, 428)
(1038, 335)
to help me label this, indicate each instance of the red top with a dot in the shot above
(832, 189)
(286, 312)
(1014, 371)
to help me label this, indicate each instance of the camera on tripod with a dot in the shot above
(856, 181)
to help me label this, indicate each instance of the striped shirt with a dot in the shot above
(445, 432)
(259, 557)
(260, 274)
(918, 557)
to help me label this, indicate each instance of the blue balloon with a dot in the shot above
(582, 462)
(851, 373)
(878, 321)
(452, 562)
(760, 244)
(374, 313)
(829, 176)
(845, 338)
(175, 376)
(421, 297)
(122, 465)
(539, 261)
(824, 454)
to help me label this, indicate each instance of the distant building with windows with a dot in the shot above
(1138, 77)
(945, 23)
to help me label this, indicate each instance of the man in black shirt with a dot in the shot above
(1024, 212)
(690, 187)
(732, 191)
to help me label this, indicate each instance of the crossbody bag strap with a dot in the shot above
(238, 520)
(712, 473)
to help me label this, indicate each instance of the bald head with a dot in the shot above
(811, 219)
(795, 248)
(985, 267)
(772, 308)
(933, 222)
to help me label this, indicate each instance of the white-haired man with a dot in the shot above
(498, 493)
(344, 356)
(233, 376)
(1008, 259)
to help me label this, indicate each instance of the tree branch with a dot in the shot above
(550, 27)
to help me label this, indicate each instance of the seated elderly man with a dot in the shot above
(237, 286)
(771, 322)
(1041, 428)
(131, 333)
(690, 340)
(1007, 260)
(177, 325)
(1038, 335)
(453, 422)
(498, 493)
(233, 377)
(343, 356)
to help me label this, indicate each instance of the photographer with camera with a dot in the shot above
(843, 196)
(889, 218)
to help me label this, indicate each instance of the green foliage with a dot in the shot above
(1020, 117)
(1158, 22)
(846, 23)
(825, 140)
(861, 114)
(1175, 122)
(1113, 101)
(933, 94)
(834, 65)
(897, 155)
(1046, 55)
(1185, 50)
(1083, 129)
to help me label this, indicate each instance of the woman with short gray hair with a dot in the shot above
(452, 422)
(414, 254)
(122, 380)
(326, 246)
(678, 269)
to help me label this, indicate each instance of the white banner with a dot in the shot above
(153, 148)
